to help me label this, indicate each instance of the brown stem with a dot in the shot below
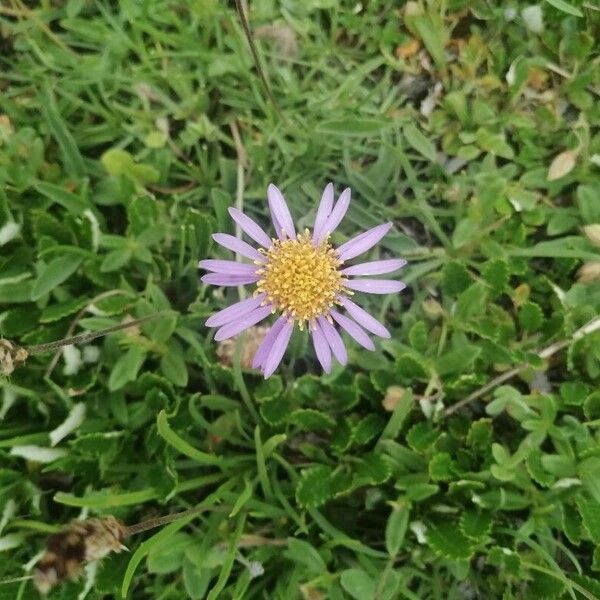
(89, 335)
(158, 521)
(587, 329)
(246, 27)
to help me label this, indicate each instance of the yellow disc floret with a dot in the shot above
(300, 279)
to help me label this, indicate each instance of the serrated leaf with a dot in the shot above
(590, 517)
(56, 312)
(268, 389)
(275, 411)
(455, 278)
(314, 487)
(374, 469)
(367, 428)
(446, 540)
(54, 273)
(480, 434)
(311, 419)
(396, 526)
(440, 467)
(422, 436)
(476, 524)
(495, 272)
(531, 316)
(536, 469)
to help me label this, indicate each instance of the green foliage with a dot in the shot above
(474, 128)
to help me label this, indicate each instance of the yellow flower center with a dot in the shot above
(299, 279)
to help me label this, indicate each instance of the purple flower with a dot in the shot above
(304, 279)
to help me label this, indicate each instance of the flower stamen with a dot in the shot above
(300, 279)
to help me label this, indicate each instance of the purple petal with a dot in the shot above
(336, 215)
(363, 242)
(278, 349)
(280, 213)
(250, 227)
(375, 286)
(227, 267)
(235, 311)
(249, 319)
(322, 349)
(228, 280)
(267, 343)
(334, 340)
(375, 267)
(238, 246)
(324, 210)
(353, 330)
(361, 316)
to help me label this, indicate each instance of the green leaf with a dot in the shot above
(590, 516)
(177, 442)
(358, 584)
(574, 393)
(531, 316)
(495, 272)
(311, 419)
(455, 278)
(314, 487)
(466, 231)
(57, 271)
(59, 195)
(167, 557)
(589, 473)
(446, 540)
(440, 467)
(126, 368)
(367, 429)
(419, 142)
(353, 127)
(417, 336)
(471, 303)
(476, 524)
(422, 436)
(158, 538)
(72, 159)
(116, 259)
(56, 312)
(396, 526)
(172, 364)
(587, 200)
(275, 411)
(301, 552)
(591, 407)
(566, 7)
(373, 469)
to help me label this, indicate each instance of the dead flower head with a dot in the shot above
(11, 356)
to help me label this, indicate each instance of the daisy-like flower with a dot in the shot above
(304, 279)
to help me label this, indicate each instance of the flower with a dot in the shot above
(304, 279)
